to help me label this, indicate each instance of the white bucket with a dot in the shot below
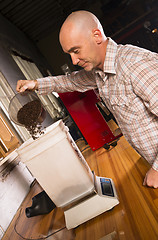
(58, 165)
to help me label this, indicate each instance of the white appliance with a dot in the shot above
(58, 165)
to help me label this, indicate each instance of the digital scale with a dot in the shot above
(103, 199)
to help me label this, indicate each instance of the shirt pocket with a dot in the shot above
(125, 108)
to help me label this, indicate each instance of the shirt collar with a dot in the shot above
(109, 62)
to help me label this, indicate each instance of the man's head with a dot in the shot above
(82, 36)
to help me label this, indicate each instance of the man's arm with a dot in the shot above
(145, 85)
(80, 81)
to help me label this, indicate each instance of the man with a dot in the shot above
(126, 77)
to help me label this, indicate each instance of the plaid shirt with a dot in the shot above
(129, 87)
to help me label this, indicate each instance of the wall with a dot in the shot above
(50, 44)
(13, 39)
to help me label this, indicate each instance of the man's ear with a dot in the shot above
(97, 35)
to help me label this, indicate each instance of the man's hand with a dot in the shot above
(151, 178)
(23, 85)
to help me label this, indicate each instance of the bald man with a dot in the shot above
(125, 75)
(83, 38)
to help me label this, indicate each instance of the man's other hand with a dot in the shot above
(151, 178)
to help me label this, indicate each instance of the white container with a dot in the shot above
(58, 165)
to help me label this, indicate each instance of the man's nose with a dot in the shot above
(75, 59)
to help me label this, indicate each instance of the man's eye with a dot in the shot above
(76, 51)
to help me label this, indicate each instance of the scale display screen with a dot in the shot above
(106, 187)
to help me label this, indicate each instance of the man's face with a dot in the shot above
(82, 49)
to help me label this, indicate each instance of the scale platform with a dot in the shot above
(104, 198)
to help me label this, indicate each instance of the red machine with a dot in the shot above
(84, 111)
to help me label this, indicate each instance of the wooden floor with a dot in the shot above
(135, 218)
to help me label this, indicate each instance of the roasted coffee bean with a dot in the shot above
(28, 116)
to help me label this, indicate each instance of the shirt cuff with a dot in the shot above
(44, 85)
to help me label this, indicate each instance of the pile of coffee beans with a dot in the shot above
(28, 116)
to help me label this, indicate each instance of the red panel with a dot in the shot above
(83, 110)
